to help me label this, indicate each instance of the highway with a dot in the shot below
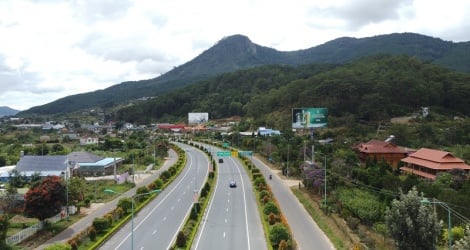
(306, 232)
(156, 226)
(232, 219)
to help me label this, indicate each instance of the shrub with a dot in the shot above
(152, 186)
(125, 204)
(92, 233)
(142, 190)
(165, 175)
(283, 245)
(109, 217)
(272, 219)
(264, 193)
(278, 233)
(158, 183)
(100, 224)
(270, 207)
(257, 175)
(172, 170)
(265, 199)
(118, 212)
(181, 240)
(73, 244)
(193, 214)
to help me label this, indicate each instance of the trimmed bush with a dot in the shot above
(272, 219)
(264, 193)
(92, 233)
(270, 207)
(100, 224)
(277, 234)
(158, 183)
(181, 240)
(125, 204)
(266, 199)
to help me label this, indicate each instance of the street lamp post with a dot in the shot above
(444, 205)
(132, 208)
(324, 157)
(66, 194)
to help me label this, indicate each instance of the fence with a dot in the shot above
(24, 234)
(27, 232)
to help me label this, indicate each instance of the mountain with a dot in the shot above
(6, 111)
(369, 89)
(238, 52)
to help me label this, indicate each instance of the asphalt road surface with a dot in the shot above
(306, 232)
(156, 226)
(232, 219)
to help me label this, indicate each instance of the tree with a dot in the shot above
(16, 179)
(76, 187)
(411, 224)
(46, 199)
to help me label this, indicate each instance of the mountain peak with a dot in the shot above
(5, 111)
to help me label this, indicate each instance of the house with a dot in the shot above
(428, 163)
(89, 141)
(82, 163)
(44, 165)
(381, 150)
(171, 127)
(267, 131)
(5, 173)
(88, 164)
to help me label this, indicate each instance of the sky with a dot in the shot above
(51, 49)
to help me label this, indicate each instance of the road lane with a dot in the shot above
(232, 220)
(306, 232)
(156, 226)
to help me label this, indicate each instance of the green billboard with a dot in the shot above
(309, 117)
(223, 153)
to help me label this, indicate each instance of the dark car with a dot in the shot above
(221, 160)
(233, 184)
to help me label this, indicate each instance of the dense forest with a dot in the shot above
(370, 89)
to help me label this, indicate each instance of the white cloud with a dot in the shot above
(52, 49)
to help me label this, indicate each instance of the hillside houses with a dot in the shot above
(425, 163)
(428, 163)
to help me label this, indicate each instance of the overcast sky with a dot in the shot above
(50, 49)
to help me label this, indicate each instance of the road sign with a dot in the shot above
(223, 153)
(235, 153)
(245, 153)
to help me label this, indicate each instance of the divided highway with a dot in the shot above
(156, 226)
(232, 219)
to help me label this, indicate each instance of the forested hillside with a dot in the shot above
(238, 52)
(371, 89)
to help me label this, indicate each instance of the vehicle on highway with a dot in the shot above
(232, 184)
(221, 160)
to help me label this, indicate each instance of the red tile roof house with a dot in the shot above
(381, 150)
(428, 163)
